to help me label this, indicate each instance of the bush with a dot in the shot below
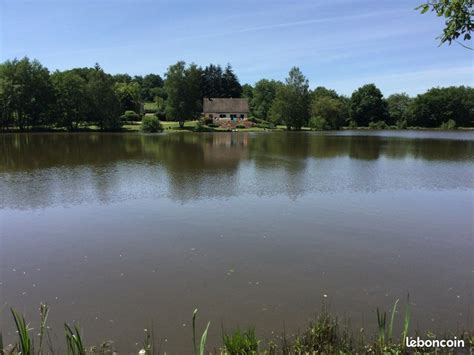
(318, 123)
(378, 125)
(129, 116)
(352, 124)
(240, 126)
(112, 124)
(450, 124)
(238, 342)
(402, 124)
(200, 127)
(213, 125)
(151, 124)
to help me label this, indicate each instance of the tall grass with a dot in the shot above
(202, 344)
(322, 336)
(238, 342)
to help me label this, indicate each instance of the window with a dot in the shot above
(242, 116)
(233, 116)
(222, 115)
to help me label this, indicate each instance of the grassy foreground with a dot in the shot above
(322, 336)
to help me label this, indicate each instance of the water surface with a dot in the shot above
(116, 231)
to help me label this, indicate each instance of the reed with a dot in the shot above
(322, 336)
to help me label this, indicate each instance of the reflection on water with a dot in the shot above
(117, 230)
(45, 169)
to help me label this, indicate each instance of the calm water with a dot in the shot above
(118, 231)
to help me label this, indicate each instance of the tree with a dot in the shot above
(247, 92)
(72, 100)
(440, 105)
(129, 96)
(263, 96)
(9, 95)
(150, 85)
(330, 109)
(322, 91)
(104, 107)
(211, 81)
(292, 101)
(400, 109)
(367, 105)
(27, 94)
(218, 83)
(122, 78)
(458, 16)
(230, 83)
(183, 89)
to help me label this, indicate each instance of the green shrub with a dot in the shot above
(450, 124)
(352, 124)
(318, 123)
(129, 116)
(402, 124)
(378, 125)
(151, 124)
(200, 127)
(240, 126)
(112, 124)
(241, 342)
(266, 125)
(213, 125)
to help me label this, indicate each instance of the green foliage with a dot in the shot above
(458, 15)
(329, 108)
(321, 91)
(72, 99)
(150, 87)
(151, 124)
(149, 347)
(216, 82)
(322, 337)
(32, 98)
(367, 105)
(26, 93)
(130, 116)
(319, 123)
(450, 124)
(440, 105)
(263, 96)
(202, 343)
(104, 106)
(247, 92)
(385, 338)
(400, 109)
(129, 96)
(378, 125)
(182, 86)
(292, 101)
(239, 343)
(74, 340)
(25, 342)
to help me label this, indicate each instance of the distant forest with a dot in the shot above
(32, 98)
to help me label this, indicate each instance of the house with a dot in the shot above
(226, 109)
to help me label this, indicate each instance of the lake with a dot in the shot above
(118, 231)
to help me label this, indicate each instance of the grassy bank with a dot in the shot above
(193, 126)
(324, 335)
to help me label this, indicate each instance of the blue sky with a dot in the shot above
(339, 44)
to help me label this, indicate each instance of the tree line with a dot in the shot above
(32, 97)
